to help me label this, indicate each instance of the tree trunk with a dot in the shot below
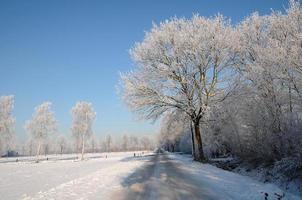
(83, 147)
(38, 151)
(199, 155)
(193, 141)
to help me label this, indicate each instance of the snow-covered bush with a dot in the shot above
(290, 167)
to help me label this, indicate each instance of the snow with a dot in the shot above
(99, 177)
(57, 157)
(234, 186)
(89, 179)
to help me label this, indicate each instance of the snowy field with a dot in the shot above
(117, 176)
(65, 179)
(58, 157)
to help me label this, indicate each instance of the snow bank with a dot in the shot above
(237, 187)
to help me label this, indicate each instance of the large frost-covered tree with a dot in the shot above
(7, 122)
(83, 116)
(182, 64)
(261, 121)
(42, 125)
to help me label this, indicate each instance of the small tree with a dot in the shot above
(7, 122)
(83, 116)
(42, 125)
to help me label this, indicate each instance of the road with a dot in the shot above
(163, 178)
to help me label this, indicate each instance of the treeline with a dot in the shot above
(43, 136)
(60, 144)
(232, 89)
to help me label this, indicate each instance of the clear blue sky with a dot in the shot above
(64, 51)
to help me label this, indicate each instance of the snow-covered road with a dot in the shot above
(172, 176)
(122, 177)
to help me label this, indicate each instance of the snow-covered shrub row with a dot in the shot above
(237, 88)
(262, 121)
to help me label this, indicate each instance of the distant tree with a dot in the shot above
(46, 148)
(76, 140)
(42, 125)
(93, 143)
(133, 140)
(102, 144)
(62, 143)
(125, 144)
(83, 116)
(108, 143)
(29, 145)
(172, 128)
(7, 123)
(146, 143)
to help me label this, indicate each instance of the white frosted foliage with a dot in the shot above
(83, 117)
(7, 122)
(42, 125)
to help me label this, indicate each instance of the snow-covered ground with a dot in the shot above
(120, 176)
(57, 157)
(233, 186)
(66, 179)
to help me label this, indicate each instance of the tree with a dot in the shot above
(173, 127)
(183, 65)
(62, 144)
(42, 125)
(125, 142)
(76, 140)
(93, 143)
(108, 143)
(7, 122)
(270, 54)
(146, 143)
(83, 116)
(133, 142)
(29, 146)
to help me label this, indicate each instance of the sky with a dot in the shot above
(65, 51)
